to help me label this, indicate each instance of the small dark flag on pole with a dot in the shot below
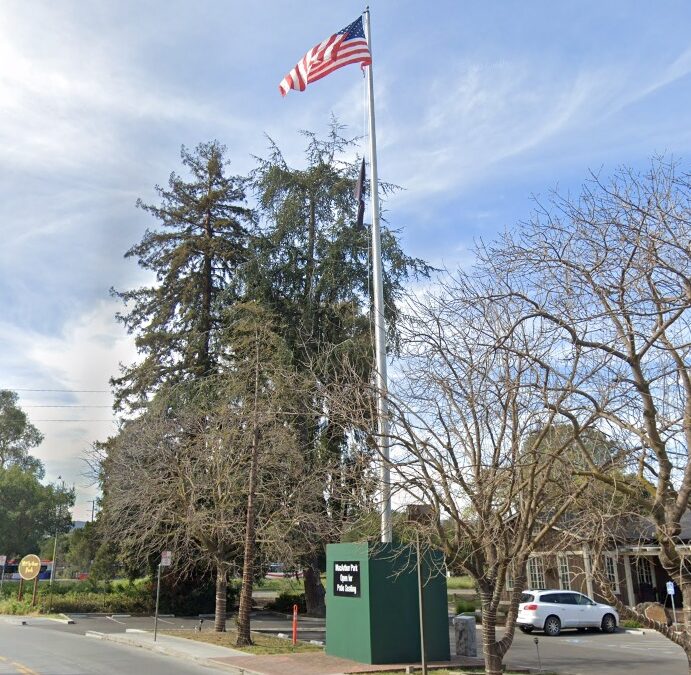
(360, 194)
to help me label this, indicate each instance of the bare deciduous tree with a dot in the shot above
(215, 464)
(468, 395)
(611, 272)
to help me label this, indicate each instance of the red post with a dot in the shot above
(295, 625)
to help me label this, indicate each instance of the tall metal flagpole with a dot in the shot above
(379, 324)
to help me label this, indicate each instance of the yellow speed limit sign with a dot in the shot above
(29, 567)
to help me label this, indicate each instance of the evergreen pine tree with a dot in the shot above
(312, 269)
(195, 253)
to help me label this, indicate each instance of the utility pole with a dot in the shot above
(55, 549)
(55, 545)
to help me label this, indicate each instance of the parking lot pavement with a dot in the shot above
(114, 624)
(598, 653)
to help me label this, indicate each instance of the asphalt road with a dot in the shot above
(46, 646)
(36, 649)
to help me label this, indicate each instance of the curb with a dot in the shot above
(63, 619)
(168, 651)
(13, 622)
(234, 670)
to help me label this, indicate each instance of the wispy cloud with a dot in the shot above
(82, 357)
(477, 116)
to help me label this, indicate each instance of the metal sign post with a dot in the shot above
(166, 560)
(670, 592)
(35, 591)
(29, 568)
(3, 560)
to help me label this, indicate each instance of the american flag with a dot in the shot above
(345, 47)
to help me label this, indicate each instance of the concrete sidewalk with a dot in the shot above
(316, 663)
(180, 648)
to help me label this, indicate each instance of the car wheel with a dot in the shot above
(609, 623)
(527, 629)
(552, 626)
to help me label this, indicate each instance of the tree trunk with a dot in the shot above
(314, 589)
(244, 637)
(490, 647)
(686, 612)
(221, 599)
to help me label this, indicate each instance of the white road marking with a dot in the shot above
(122, 623)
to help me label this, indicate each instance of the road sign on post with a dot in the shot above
(29, 568)
(3, 560)
(670, 592)
(166, 561)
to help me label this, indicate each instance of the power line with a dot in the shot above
(111, 420)
(71, 405)
(63, 391)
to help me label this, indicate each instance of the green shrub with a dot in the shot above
(123, 597)
(466, 582)
(630, 623)
(285, 601)
(192, 597)
(464, 606)
(13, 606)
(98, 602)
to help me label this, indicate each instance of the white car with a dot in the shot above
(553, 610)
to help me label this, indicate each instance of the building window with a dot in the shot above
(611, 572)
(644, 572)
(536, 573)
(510, 577)
(564, 574)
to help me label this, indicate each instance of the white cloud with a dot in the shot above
(481, 115)
(83, 357)
(70, 99)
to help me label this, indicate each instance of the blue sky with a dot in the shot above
(479, 106)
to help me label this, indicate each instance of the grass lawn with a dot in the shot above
(291, 585)
(286, 585)
(263, 644)
(453, 583)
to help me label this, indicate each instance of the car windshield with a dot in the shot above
(527, 597)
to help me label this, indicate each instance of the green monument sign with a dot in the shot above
(372, 611)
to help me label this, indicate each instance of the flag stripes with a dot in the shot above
(345, 47)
